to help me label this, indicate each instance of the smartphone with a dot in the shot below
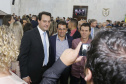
(83, 50)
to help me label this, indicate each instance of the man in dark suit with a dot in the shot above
(94, 30)
(59, 43)
(73, 31)
(34, 51)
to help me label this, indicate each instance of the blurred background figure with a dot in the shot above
(34, 21)
(18, 33)
(7, 20)
(80, 23)
(53, 27)
(25, 20)
(27, 26)
(99, 25)
(124, 25)
(104, 25)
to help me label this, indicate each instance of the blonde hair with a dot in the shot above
(18, 32)
(8, 50)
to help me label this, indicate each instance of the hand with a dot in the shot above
(27, 79)
(69, 56)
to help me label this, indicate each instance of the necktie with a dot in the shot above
(45, 49)
(92, 33)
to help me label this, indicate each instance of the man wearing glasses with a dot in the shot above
(59, 43)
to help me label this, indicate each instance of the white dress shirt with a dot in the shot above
(47, 41)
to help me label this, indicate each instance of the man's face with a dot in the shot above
(84, 32)
(61, 30)
(44, 23)
(94, 24)
(79, 24)
(34, 18)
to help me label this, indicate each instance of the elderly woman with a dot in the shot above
(8, 53)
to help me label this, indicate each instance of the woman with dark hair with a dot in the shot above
(7, 20)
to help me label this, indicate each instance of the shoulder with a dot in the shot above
(17, 79)
(14, 78)
(31, 31)
(69, 37)
(52, 37)
(90, 40)
(96, 29)
(76, 40)
(77, 31)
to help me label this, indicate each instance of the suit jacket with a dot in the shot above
(53, 73)
(31, 55)
(34, 23)
(76, 35)
(53, 46)
(95, 32)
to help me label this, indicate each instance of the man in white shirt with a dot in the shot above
(34, 52)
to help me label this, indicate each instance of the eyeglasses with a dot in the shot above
(62, 29)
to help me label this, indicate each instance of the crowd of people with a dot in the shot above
(48, 50)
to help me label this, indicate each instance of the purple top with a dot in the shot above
(78, 68)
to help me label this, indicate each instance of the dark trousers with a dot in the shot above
(74, 80)
(39, 79)
(64, 76)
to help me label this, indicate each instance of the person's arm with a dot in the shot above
(53, 73)
(23, 57)
(68, 57)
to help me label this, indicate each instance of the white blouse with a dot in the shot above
(12, 79)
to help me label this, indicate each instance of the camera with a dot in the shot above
(83, 50)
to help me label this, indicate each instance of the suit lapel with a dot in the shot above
(55, 45)
(69, 42)
(38, 36)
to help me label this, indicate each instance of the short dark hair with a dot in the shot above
(62, 23)
(27, 26)
(106, 57)
(86, 25)
(108, 21)
(34, 16)
(92, 20)
(7, 18)
(74, 21)
(43, 13)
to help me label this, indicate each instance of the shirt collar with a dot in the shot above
(72, 32)
(59, 39)
(40, 30)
